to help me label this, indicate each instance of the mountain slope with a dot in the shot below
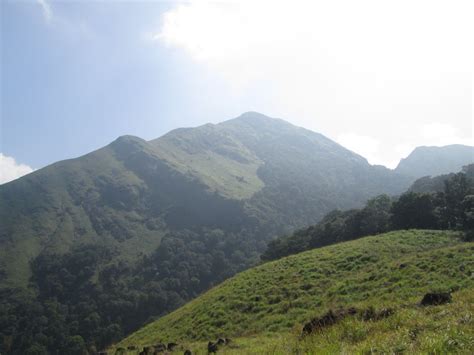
(430, 161)
(253, 172)
(269, 304)
(137, 228)
(122, 196)
(283, 173)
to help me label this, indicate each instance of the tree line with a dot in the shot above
(449, 207)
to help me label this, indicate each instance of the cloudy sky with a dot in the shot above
(379, 77)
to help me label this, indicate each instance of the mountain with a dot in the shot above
(431, 161)
(252, 171)
(373, 287)
(138, 227)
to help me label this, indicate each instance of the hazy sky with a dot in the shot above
(380, 77)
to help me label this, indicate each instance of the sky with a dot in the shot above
(379, 77)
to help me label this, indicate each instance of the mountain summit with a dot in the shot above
(234, 157)
(431, 161)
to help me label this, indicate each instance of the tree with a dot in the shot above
(455, 189)
(413, 210)
(468, 216)
(36, 349)
(375, 216)
(76, 345)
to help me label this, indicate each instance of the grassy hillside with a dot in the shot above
(215, 157)
(92, 199)
(264, 309)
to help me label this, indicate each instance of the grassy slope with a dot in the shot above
(50, 209)
(265, 307)
(212, 155)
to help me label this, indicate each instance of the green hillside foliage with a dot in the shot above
(449, 208)
(209, 153)
(101, 244)
(264, 309)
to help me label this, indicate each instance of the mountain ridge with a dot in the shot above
(436, 160)
(250, 117)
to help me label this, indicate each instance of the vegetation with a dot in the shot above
(135, 229)
(86, 294)
(264, 309)
(449, 208)
(412, 330)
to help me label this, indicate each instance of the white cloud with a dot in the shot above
(366, 146)
(11, 170)
(433, 134)
(307, 36)
(46, 8)
(382, 69)
(440, 134)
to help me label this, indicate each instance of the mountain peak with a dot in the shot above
(253, 115)
(129, 139)
(258, 121)
(435, 160)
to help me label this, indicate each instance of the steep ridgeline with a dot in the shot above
(286, 176)
(136, 228)
(431, 161)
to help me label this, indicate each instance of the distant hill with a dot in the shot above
(263, 310)
(431, 161)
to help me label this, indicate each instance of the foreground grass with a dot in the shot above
(263, 309)
(412, 329)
